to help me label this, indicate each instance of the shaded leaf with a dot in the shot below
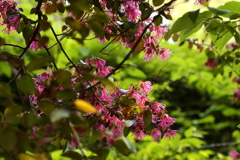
(218, 11)
(38, 63)
(73, 155)
(66, 94)
(158, 2)
(193, 15)
(46, 105)
(94, 137)
(26, 84)
(64, 78)
(8, 139)
(147, 118)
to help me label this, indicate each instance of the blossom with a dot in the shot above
(146, 87)
(236, 95)
(234, 154)
(100, 63)
(166, 121)
(156, 134)
(165, 54)
(170, 134)
(210, 63)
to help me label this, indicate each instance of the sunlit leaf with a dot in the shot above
(59, 114)
(84, 106)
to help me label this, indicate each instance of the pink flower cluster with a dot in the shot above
(235, 155)
(118, 108)
(9, 15)
(236, 94)
(211, 63)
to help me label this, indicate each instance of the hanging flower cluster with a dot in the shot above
(117, 109)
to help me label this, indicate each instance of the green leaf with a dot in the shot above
(158, 2)
(38, 63)
(193, 15)
(218, 11)
(107, 82)
(6, 90)
(96, 27)
(64, 78)
(73, 155)
(223, 37)
(126, 131)
(236, 68)
(147, 118)
(66, 94)
(214, 27)
(8, 139)
(47, 106)
(157, 20)
(27, 33)
(26, 84)
(60, 7)
(238, 126)
(92, 139)
(59, 114)
(28, 120)
(232, 6)
(72, 23)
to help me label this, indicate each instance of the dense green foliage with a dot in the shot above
(199, 96)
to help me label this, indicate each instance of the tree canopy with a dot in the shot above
(119, 79)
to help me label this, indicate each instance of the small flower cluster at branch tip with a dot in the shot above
(234, 154)
(236, 94)
(9, 15)
(211, 63)
(117, 108)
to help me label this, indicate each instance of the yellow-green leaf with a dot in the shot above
(84, 106)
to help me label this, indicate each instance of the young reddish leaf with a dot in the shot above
(50, 9)
(84, 106)
(43, 41)
(72, 23)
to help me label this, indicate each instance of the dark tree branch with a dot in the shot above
(13, 45)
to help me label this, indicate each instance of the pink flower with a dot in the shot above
(146, 87)
(14, 20)
(34, 46)
(166, 121)
(165, 54)
(100, 63)
(156, 134)
(132, 11)
(170, 134)
(210, 63)
(236, 95)
(234, 154)
(200, 1)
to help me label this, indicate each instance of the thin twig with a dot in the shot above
(13, 45)
(55, 66)
(15, 77)
(75, 135)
